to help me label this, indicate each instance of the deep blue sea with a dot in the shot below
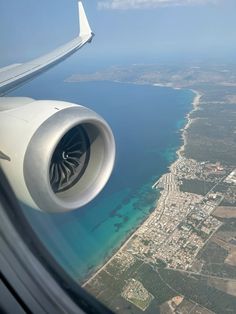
(146, 121)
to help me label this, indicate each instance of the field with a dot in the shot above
(225, 212)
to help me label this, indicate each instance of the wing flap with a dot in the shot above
(9, 67)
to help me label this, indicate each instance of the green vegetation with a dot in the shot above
(213, 253)
(199, 291)
(196, 186)
(211, 136)
(154, 284)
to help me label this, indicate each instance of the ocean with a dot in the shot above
(146, 121)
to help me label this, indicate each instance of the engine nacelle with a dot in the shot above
(57, 155)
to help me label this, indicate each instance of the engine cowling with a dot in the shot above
(59, 155)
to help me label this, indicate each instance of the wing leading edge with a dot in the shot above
(12, 76)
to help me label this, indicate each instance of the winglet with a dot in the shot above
(83, 21)
(12, 76)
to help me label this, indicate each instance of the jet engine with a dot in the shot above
(57, 155)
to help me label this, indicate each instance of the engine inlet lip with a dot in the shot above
(40, 150)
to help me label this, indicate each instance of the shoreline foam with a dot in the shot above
(195, 104)
(179, 152)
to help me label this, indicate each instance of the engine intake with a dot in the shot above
(65, 156)
(70, 159)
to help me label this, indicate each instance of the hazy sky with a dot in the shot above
(137, 30)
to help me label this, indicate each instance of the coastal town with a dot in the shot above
(179, 227)
(175, 240)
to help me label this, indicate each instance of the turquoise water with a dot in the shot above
(146, 121)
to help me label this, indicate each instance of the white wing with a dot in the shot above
(16, 74)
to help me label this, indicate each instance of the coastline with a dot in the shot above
(195, 104)
(179, 152)
(113, 256)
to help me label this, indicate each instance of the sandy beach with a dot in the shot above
(195, 104)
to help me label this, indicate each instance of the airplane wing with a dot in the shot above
(16, 74)
(73, 147)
